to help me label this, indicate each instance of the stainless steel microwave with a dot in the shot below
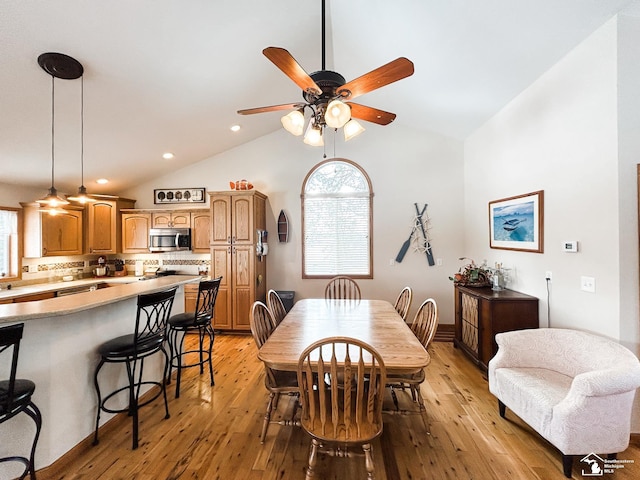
(169, 239)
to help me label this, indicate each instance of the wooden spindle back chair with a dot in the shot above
(276, 306)
(276, 382)
(342, 383)
(403, 302)
(342, 288)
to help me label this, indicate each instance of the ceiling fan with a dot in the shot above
(327, 95)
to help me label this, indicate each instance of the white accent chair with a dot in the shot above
(574, 388)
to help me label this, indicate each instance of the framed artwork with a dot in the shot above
(179, 195)
(516, 223)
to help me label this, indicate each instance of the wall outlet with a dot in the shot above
(588, 284)
(548, 276)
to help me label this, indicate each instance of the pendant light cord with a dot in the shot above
(53, 121)
(82, 131)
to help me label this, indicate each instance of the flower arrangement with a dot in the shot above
(472, 275)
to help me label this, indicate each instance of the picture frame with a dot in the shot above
(517, 223)
(179, 195)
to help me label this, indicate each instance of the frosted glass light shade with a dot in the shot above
(313, 136)
(337, 114)
(352, 129)
(293, 122)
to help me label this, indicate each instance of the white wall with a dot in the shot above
(12, 195)
(405, 166)
(573, 134)
(560, 136)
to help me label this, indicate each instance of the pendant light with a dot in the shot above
(57, 65)
(81, 196)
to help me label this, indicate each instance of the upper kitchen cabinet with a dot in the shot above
(135, 231)
(200, 231)
(104, 228)
(50, 235)
(171, 219)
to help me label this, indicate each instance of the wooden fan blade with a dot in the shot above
(371, 114)
(391, 72)
(272, 108)
(292, 69)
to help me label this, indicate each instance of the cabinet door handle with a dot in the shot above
(229, 250)
(228, 239)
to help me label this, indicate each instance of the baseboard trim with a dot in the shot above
(444, 333)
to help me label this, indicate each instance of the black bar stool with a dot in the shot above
(148, 338)
(15, 396)
(200, 321)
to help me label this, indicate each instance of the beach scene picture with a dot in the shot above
(515, 222)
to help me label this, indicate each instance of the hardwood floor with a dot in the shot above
(213, 433)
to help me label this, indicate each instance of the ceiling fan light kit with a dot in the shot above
(293, 122)
(352, 129)
(313, 136)
(328, 96)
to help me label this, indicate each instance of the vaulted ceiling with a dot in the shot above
(169, 75)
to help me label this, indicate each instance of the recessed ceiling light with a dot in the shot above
(168, 155)
(235, 128)
(102, 181)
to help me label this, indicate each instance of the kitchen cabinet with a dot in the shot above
(135, 232)
(235, 216)
(104, 229)
(62, 234)
(200, 231)
(481, 313)
(50, 235)
(171, 219)
(190, 296)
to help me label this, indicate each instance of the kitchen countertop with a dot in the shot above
(125, 287)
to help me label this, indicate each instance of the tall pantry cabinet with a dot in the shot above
(235, 217)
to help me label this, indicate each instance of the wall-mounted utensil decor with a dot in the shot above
(179, 195)
(418, 236)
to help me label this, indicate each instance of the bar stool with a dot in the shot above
(200, 321)
(148, 338)
(15, 396)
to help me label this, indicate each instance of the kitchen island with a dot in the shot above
(58, 352)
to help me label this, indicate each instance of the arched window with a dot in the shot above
(337, 203)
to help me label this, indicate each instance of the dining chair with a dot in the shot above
(403, 302)
(148, 339)
(424, 328)
(277, 382)
(16, 397)
(342, 287)
(342, 383)
(276, 306)
(197, 321)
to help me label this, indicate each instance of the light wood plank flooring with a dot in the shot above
(213, 433)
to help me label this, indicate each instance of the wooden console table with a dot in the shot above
(480, 313)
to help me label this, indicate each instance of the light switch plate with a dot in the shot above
(588, 284)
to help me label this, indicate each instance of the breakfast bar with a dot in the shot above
(58, 353)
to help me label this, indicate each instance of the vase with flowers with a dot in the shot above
(472, 274)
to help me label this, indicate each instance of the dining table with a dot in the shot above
(375, 322)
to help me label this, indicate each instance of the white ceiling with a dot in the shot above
(169, 75)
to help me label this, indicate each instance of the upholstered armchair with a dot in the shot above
(574, 388)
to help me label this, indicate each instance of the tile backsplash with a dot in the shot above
(52, 269)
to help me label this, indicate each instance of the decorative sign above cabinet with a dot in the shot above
(179, 195)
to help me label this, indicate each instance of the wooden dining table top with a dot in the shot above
(375, 322)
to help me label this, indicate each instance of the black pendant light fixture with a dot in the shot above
(58, 65)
